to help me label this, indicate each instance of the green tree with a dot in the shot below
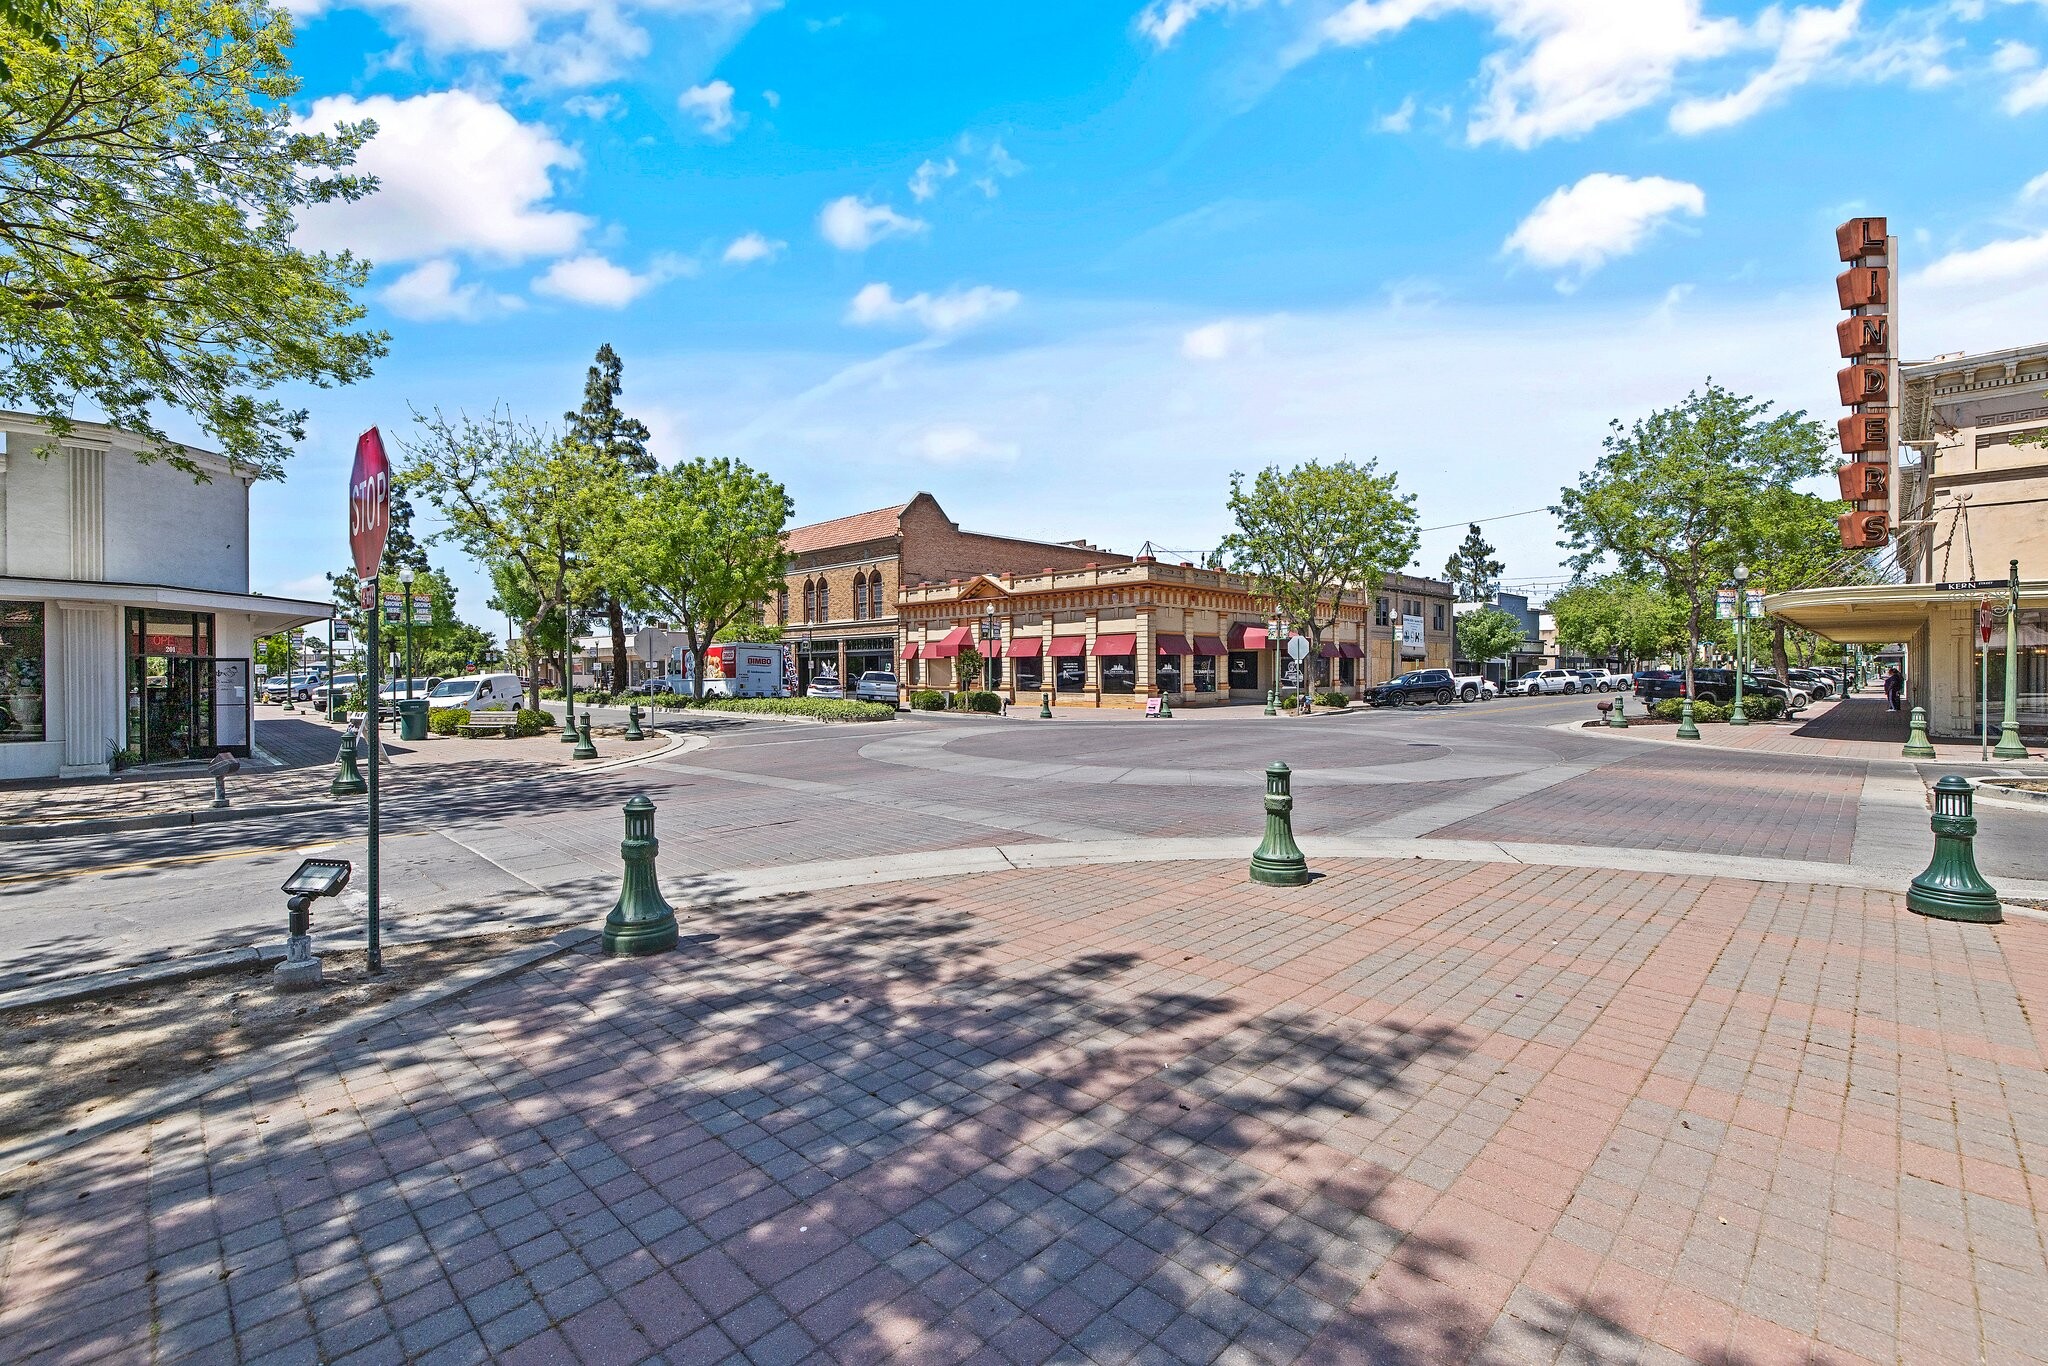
(151, 179)
(1489, 633)
(702, 545)
(1675, 494)
(27, 19)
(1792, 541)
(1472, 570)
(968, 666)
(1616, 616)
(1314, 535)
(275, 653)
(602, 426)
(534, 506)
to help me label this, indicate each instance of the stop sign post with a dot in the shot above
(1984, 615)
(369, 524)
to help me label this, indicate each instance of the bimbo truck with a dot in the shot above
(742, 669)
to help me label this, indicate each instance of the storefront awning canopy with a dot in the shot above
(992, 649)
(1116, 645)
(1025, 647)
(1209, 645)
(1175, 645)
(910, 652)
(1244, 636)
(1328, 650)
(1068, 647)
(1346, 650)
(948, 645)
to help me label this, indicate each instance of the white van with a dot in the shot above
(478, 692)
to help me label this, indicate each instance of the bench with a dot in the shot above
(482, 721)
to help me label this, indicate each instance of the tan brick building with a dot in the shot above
(839, 605)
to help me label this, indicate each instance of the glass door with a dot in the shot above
(173, 708)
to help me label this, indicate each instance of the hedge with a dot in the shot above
(927, 699)
(989, 702)
(447, 720)
(531, 722)
(1335, 700)
(1764, 708)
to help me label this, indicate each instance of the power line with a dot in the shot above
(1477, 521)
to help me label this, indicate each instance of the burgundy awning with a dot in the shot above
(948, 645)
(1068, 647)
(1116, 645)
(910, 651)
(1025, 647)
(1209, 645)
(1244, 636)
(1347, 650)
(1327, 650)
(992, 649)
(1175, 645)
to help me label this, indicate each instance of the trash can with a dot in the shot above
(412, 718)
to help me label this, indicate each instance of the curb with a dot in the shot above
(98, 984)
(29, 1151)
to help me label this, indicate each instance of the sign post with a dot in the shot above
(369, 522)
(1984, 680)
(2009, 745)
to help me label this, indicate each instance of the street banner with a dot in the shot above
(394, 609)
(1411, 637)
(1753, 602)
(1724, 604)
(422, 610)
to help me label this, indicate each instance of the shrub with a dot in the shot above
(1289, 701)
(989, 702)
(551, 694)
(531, 722)
(1335, 700)
(817, 708)
(927, 699)
(1672, 709)
(447, 720)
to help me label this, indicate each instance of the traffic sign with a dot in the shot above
(369, 503)
(1297, 647)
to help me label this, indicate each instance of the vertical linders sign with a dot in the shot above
(1868, 384)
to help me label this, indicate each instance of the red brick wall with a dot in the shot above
(935, 550)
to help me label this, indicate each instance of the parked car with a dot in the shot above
(1819, 682)
(329, 694)
(669, 685)
(1415, 688)
(1473, 688)
(1718, 685)
(876, 685)
(477, 692)
(391, 694)
(1599, 680)
(280, 686)
(827, 689)
(1539, 681)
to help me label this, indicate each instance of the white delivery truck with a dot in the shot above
(747, 670)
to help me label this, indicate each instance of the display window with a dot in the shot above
(1205, 673)
(1030, 673)
(22, 672)
(1169, 673)
(1244, 670)
(1070, 674)
(1119, 673)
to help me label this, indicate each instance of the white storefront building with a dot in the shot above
(126, 620)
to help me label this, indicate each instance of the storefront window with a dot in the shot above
(1322, 672)
(1119, 673)
(1070, 674)
(1169, 673)
(1347, 672)
(2033, 674)
(1031, 673)
(21, 671)
(993, 674)
(1205, 673)
(1244, 670)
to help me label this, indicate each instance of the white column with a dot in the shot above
(91, 721)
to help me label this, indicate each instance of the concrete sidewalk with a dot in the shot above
(1856, 727)
(1421, 1110)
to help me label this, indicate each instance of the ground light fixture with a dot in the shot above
(311, 880)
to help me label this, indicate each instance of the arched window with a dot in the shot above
(810, 601)
(875, 608)
(824, 601)
(782, 605)
(860, 597)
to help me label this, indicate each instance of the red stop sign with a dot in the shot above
(369, 504)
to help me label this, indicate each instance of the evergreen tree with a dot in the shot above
(602, 426)
(1472, 570)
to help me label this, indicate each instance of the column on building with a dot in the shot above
(93, 722)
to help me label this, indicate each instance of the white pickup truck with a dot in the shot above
(1473, 688)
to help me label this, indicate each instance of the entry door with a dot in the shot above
(178, 709)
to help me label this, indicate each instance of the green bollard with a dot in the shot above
(584, 748)
(641, 922)
(1687, 730)
(1045, 706)
(348, 779)
(1615, 719)
(1165, 707)
(1916, 739)
(633, 731)
(1951, 888)
(1273, 702)
(1279, 862)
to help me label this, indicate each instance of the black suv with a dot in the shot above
(1424, 685)
(1717, 685)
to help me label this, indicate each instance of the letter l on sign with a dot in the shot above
(369, 504)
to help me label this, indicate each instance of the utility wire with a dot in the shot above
(1476, 521)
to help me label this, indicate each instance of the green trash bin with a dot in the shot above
(412, 718)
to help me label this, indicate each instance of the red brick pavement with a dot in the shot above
(1417, 1111)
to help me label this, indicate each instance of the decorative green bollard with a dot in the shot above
(633, 731)
(1045, 706)
(348, 779)
(1916, 739)
(1279, 862)
(1615, 719)
(584, 748)
(1273, 702)
(641, 922)
(1165, 707)
(1686, 729)
(1951, 888)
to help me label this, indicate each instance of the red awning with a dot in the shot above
(1175, 645)
(992, 649)
(1327, 650)
(1068, 647)
(948, 645)
(1025, 647)
(1349, 651)
(910, 652)
(1247, 637)
(1209, 645)
(1116, 645)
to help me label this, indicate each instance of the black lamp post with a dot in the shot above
(405, 583)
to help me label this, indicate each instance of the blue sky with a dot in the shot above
(1068, 265)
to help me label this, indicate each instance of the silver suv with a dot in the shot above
(876, 685)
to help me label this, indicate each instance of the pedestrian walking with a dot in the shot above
(1894, 687)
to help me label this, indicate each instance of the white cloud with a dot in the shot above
(2029, 88)
(1219, 340)
(1400, 120)
(2037, 188)
(711, 106)
(1601, 217)
(1806, 40)
(458, 173)
(948, 312)
(598, 107)
(951, 443)
(750, 247)
(1163, 20)
(592, 279)
(428, 293)
(925, 183)
(852, 224)
(2014, 259)
(772, 98)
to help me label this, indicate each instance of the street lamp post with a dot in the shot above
(568, 735)
(988, 636)
(1273, 639)
(1738, 717)
(405, 576)
(2009, 744)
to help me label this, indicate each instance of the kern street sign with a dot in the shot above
(369, 504)
(1970, 586)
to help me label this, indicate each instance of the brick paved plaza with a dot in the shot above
(1417, 1111)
